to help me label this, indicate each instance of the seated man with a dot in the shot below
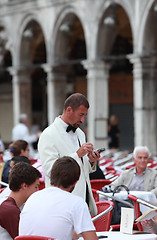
(54, 211)
(6, 192)
(140, 177)
(17, 148)
(23, 181)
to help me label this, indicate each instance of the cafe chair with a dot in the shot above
(117, 226)
(32, 160)
(2, 189)
(32, 237)
(153, 165)
(98, 184)
(4, 184)
(136, 210)
(41, 185)
(102, 221)
(137, 201)
(95, 195)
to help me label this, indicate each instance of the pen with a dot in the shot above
(99, 237)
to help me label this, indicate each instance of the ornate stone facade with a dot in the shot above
(49, 49)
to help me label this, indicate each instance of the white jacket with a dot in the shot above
(54, 143)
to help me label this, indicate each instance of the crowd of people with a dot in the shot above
(66, 161)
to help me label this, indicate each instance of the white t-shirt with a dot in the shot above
(52, 212)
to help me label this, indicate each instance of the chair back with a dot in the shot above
(29, 237)
(2, 189)
(104, 222)
(41, 184)
(99, 183)
(95, 195)
(32, 160)
(137, 210)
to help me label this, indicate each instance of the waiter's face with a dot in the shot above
(78, 116)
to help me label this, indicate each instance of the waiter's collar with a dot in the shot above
(62, 122)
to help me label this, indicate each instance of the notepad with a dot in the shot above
(147, 215)
(127, 220)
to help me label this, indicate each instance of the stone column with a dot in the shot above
(56, 92)
(60, 91)
(145, 110)
(16, 95)
(97, 89)
(26, 93)
(50, 93)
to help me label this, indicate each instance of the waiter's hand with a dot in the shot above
(93, 156)
(86, 148)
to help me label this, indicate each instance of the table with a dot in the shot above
(147, 196)
(122, 236)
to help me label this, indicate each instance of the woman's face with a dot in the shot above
(25, 152)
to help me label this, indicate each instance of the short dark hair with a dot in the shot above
(65, 172)
(17, 146)
(75, 101)
(18, 159)
(22, 173)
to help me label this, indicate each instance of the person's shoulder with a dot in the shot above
(152, 171)
(46, 132)
(127, 171)
(20, 127)
(34, 199)
(7, 163)
(8, 206)
(76, 199)
(78, 203)
(51, 127)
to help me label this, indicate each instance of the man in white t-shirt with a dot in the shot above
(54, 211)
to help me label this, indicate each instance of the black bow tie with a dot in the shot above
(70, 128)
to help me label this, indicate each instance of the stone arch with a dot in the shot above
(110, 11)
(147, 57)
(22, 25)
(144, 22)
(5, 45)
(5, 81)
(31, 33)
(106, 10)
(70, 49)
(32, 54)
(147, 43)
(67, 15)
(114, 43)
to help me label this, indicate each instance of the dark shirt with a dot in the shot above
(98, 174)
(10, 216)
(5, 173)
(114, 136)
